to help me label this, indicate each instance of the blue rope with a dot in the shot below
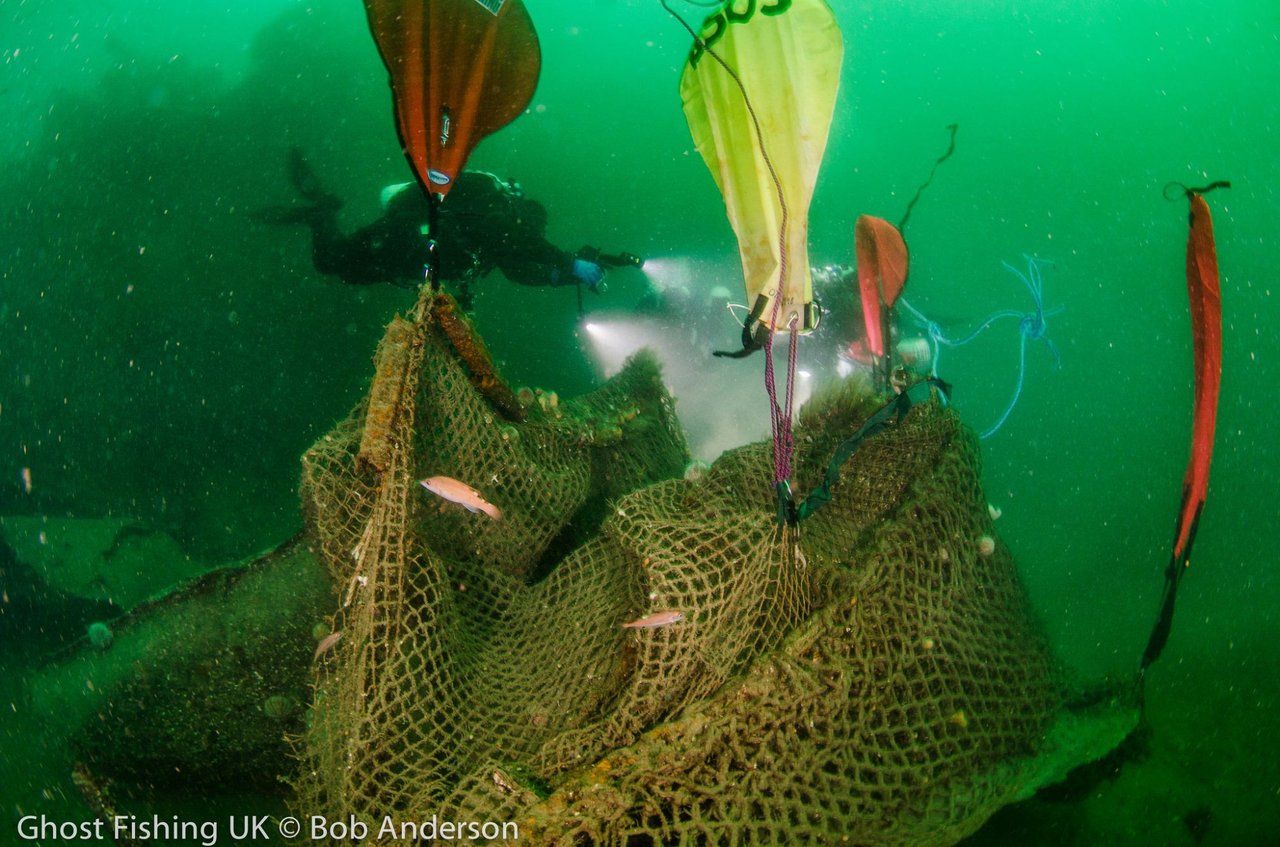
(1031, 325)
(1017, 390)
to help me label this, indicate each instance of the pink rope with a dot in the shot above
(775, 415)
(781, 417)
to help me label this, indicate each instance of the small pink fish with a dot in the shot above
(460, 493)
(326, 644)
(655, 620)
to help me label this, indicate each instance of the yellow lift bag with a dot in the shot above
(759, 90)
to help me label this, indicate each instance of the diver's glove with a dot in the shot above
(590, 273)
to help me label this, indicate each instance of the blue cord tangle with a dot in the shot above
(1032, 326)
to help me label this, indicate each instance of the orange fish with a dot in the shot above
(655, 620)
(460, 493)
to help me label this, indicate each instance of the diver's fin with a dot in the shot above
(284, 215)
(322, 208)
(302, 175)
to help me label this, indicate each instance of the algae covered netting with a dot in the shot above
(869, 677)
(196, 689)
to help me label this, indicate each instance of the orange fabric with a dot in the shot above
(1205, 298)
(458, 73)
(882, 260)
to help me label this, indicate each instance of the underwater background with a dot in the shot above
(165, 358)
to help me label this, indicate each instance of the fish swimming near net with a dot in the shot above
(459, 492)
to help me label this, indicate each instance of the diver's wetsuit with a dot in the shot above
(483, 224)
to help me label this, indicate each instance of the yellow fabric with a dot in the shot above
(787, 54)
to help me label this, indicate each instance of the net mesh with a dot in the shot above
(869, 677)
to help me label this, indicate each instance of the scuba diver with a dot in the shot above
(485, 223)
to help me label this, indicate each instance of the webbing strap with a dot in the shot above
(888, 415)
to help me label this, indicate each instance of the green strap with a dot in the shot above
(888, 415)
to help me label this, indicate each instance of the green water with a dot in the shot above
(166, 359)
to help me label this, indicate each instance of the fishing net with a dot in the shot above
(869, 678)
(196, 688)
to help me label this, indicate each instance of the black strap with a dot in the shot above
(1184, 190)
(433, 251)
(752, 337)
(1172, 578)
(888, 415)
(951, 148)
